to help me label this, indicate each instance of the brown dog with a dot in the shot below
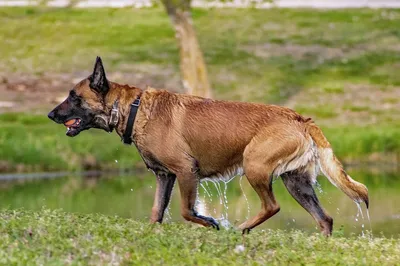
(189, 138)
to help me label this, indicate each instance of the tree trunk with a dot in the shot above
(193, 68)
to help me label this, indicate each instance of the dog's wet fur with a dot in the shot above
(188, 138)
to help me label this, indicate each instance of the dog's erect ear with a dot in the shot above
(98, 80)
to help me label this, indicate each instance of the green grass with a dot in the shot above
(34, 143)
(323, 112)
(58, 238)
(356, 142)
(258, 55)
(357, 108)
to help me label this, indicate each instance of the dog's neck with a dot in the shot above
(118, 101)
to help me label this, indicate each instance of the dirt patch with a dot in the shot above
(296, 51)
(38, 93)
(323, 53)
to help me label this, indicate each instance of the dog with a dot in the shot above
(189, 138)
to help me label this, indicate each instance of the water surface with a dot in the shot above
(132, 196)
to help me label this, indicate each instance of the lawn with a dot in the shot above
(58, 238)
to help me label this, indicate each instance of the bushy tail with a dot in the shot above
(333, 169)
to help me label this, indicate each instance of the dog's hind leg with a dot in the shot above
(259, 162)
(165, 184)
(300, 187)
(262, 183)
(268, 155)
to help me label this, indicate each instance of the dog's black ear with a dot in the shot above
(98, 80)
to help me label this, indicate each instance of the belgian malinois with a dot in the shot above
(190, 138)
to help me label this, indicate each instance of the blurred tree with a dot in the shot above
(192, 65)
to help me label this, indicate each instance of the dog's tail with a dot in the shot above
(333, 169)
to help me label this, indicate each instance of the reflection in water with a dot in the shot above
(231, 204)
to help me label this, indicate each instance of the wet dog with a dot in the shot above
(188, 138)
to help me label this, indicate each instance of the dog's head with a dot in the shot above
(85, 106)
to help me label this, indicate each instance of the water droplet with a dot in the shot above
(116, 161)
(167, 215)
(151, 186)
(131, 189)
(239, 248)
(245, 197)
(201, 207)
(224, 223)
(359, 210)
(218, 191)
(226, 200)
(319, 188)
(206, 191)
(369, 221)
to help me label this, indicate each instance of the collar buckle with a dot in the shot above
(114, 117)
(136, 103)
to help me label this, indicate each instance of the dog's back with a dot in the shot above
(216, 133)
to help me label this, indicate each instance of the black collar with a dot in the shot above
(127, 137)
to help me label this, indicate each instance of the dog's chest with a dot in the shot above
(153, 164)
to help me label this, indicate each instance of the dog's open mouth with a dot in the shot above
(72, 126)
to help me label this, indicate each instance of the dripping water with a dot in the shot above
(206, 191)
(218, 191)
(319, 187)
(369, 221)
(201, 206)
(360, 213)
(226, 201)
(245, 197)
(167, 214)
(224, 216)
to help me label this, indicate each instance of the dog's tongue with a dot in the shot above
(70, 122)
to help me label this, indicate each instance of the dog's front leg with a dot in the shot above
(165, 184)
(188, 183)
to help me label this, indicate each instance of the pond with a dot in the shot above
(131, 195)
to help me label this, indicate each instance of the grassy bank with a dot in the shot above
(54, 237)
(34, 143)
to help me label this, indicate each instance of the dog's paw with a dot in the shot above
(211, 221)
(246, 231)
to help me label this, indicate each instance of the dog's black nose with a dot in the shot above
(51, 115)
